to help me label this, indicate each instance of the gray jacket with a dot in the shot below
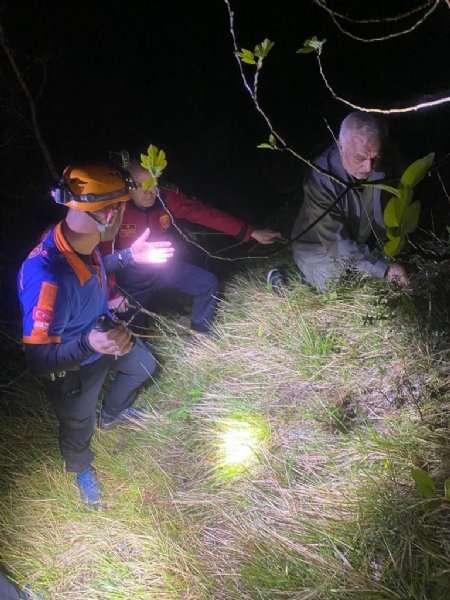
(342, 234)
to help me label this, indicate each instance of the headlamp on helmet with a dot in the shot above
(122, 161)
(90, 187)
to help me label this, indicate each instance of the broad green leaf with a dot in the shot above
(149, 184)
(312, 45)
(405, 194)
(417, 170)
(430, 505)
(272, 145)
(155, 159)
(390, 215)
(393, 232)
(425, 485)
(387, 188)
(263, 49)
(247, 56)
(447, 489)
(395, 208)
(393, 246)
(411, 217)
(155, 162)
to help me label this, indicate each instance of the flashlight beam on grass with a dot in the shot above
(239, 443)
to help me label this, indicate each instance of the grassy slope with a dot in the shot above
(335, 397)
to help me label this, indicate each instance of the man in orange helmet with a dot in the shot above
(70, 337)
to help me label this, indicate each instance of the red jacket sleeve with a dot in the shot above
(191, 209)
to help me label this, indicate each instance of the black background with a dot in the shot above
(107, 76)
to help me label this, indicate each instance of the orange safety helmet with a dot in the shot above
(91, 187)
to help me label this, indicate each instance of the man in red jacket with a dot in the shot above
(147, 210)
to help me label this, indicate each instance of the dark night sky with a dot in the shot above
(124, 75)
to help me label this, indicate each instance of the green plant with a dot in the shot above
(401, 214)
(256, 56)
(426, 487)
(155, 162)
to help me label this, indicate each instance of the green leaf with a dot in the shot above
(395, 208)
(393, 232)
(271, 145)
(447, 489)
(155, 162)
(312, 45)
(417, 170)
(430, 505)
(411, 217)
(149, 184)
(393, 246)
(246, 56)
(387, 188)
(391, 214)
(263, 49)
(425, 485)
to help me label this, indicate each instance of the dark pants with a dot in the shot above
(74, 399)
(8, 591)
(141, 282)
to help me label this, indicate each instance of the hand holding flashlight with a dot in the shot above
(144, 252)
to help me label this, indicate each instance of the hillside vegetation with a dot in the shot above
(300, 452)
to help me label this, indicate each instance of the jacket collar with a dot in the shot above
(81, 270)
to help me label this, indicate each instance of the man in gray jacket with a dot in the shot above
(338, 241)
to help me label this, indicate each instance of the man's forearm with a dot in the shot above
(117, 260)
(47, 358)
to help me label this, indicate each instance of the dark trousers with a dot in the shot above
(142, 281)
(8, 591)
(74, 399)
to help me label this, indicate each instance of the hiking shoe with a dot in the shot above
(203, 328)
(89, 487)
(129, 416)
(275, 280)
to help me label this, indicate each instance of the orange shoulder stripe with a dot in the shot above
(43, 315)
(41, 339)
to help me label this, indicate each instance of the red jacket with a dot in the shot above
(136, 220)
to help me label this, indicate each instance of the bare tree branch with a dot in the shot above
(253, 94)
(31, 103)
(384, 111)
(391, 35)
(397, 17)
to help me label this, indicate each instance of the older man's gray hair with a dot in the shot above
(366, 124)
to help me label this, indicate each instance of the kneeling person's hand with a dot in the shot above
(144, 252)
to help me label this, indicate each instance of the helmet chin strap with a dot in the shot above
(100, 226)
(108, 231)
